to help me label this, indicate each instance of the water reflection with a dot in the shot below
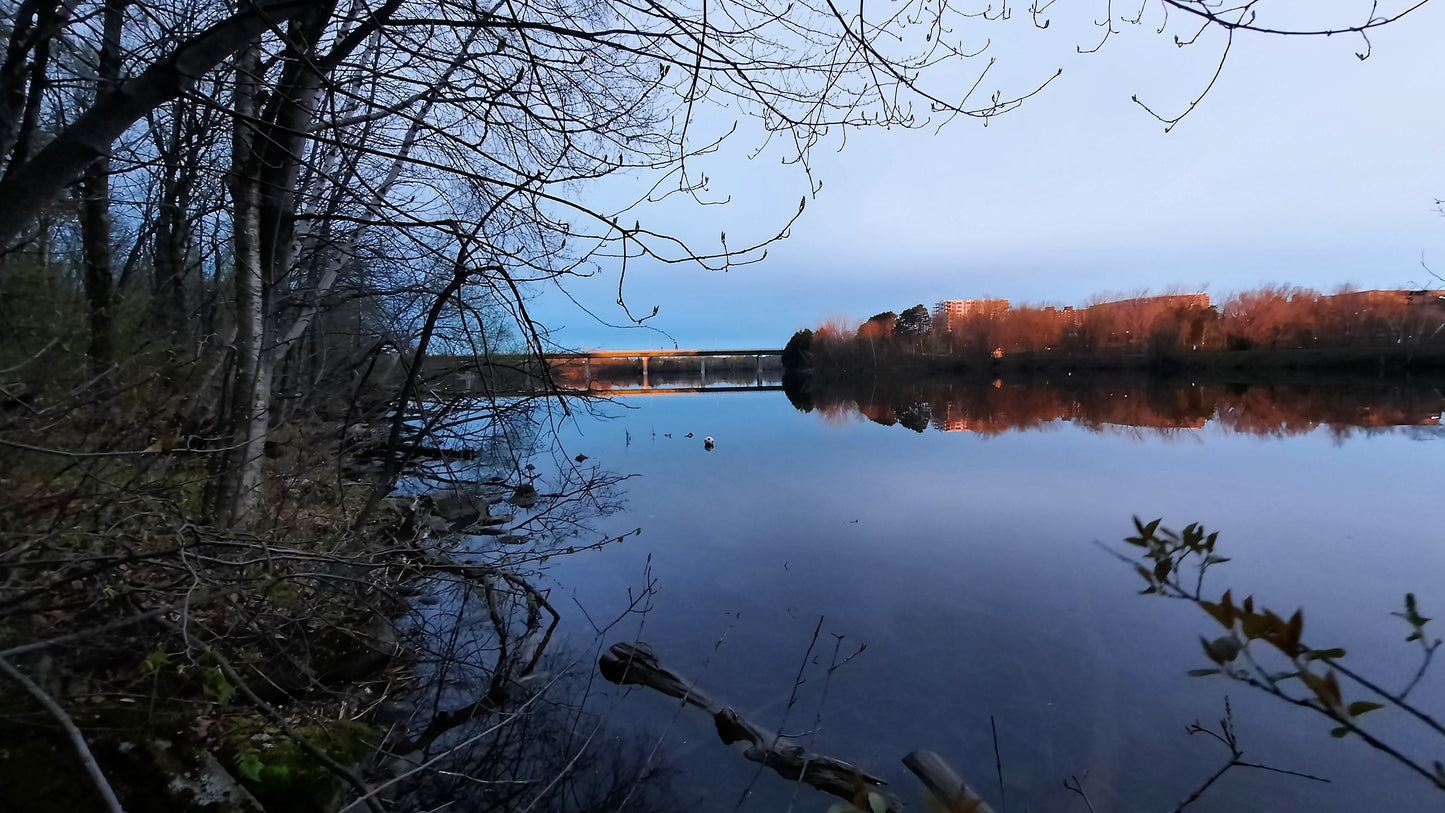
(964, 563)
(498, 711)
(996, 406)
(668, 374)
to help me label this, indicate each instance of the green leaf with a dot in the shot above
(1361, 706)
(876, 803)
(216, 687)
(1318, 654)
(1204, 672)
(155, 662)
(249, 765)
(1339, 732)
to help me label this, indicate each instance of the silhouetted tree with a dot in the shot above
(913, 324)
(796, 353)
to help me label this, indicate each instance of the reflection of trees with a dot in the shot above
(498, 715)
(513, 724)
(1289, 410)
(994, 407)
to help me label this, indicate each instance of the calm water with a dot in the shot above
(970, 565)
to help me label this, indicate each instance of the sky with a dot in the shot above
(1303, 165)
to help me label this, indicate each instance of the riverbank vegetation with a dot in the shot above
(1269, 329)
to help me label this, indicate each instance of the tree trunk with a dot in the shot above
(95, 238)
(95, 209)
(172, 244)
(251, 384)
(35, 181)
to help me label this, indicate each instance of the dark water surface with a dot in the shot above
(969, 564)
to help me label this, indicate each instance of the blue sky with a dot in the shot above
(1303, 165)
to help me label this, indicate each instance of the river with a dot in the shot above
(980, 568)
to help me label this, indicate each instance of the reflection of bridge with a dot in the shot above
(725, 362)
(671, 390)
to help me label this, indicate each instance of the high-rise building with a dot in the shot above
(948, 312)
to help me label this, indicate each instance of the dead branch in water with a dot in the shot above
(629, 664)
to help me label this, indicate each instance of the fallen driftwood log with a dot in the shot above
(635, 664)
(628, 664)
(944, 784)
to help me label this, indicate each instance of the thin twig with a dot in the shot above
(36, 646)
(76, 738)
(998, 763)
(1078, 787)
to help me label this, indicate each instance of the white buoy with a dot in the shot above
(707, 443)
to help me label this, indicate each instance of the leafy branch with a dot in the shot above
(1266, 651)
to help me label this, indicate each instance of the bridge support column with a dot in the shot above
(702, 370)
(644, 372)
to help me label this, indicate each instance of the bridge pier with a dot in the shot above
(614, 362)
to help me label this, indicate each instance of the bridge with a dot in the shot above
(725, 362)
(633, 371)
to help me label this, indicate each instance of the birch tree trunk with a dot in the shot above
(250, 394)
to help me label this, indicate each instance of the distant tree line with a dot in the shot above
(1273, 318)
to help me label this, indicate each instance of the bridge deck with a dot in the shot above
(634, 354)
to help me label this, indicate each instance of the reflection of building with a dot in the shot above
(955, 418)
(949, 311)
